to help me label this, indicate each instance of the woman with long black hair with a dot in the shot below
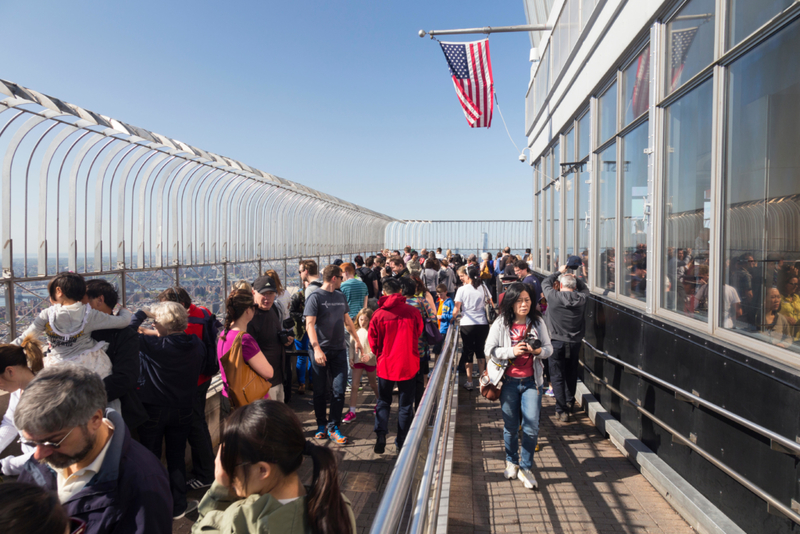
(517, 344)
(469, 304)
(257, 488)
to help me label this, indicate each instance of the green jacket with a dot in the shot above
(257, 514)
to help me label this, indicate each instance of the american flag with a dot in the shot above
(641, 87)
(680, 42)
(471, 70)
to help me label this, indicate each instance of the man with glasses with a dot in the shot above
(327, 315)
(86, 454)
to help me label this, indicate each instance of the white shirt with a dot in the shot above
(71, 485)
(471, 300)
(12, 465)
(730, 300)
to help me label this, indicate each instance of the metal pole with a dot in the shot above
(488, 29)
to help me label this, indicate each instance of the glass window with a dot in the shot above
(762, 192)
(569, 143)
(547, 226)
(689, 43)
(539, 229)
(568, 186)
(746, 16)
(584, 136)
(607, 218)
(557, 260)
(636, 82)
(607, 111)
(687, 204)
(633, 181)
(584, 193)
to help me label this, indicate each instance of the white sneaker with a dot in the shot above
(528, 480)
(511, 471)
(468, 385)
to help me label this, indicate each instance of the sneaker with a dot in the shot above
(301, 389)
(468, 385)
(563, 417)
(380, 444)
(336, 436)
(475, 374)
(191, 506)
(528, 480)
(195, 484)
(322, 433)
(538, 447)
(349, 418)
(375, 410)
(511, 471)
(549, 392)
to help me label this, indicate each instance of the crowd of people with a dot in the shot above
(93, 407)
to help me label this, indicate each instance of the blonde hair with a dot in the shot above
(367, 312)
(241, 284)
(171, 316)
(277, 279)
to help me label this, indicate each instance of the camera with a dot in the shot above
(533, 342)
(287, 331)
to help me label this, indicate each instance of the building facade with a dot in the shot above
(664, 142)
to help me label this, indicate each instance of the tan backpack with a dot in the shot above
(242, 383)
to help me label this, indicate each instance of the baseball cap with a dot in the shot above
(574, 262)
(264, 284)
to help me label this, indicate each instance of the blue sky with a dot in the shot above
(342, 96)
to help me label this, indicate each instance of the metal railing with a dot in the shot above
(777, 442)
(411, 499)
(464, 236)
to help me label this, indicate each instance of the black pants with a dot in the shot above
(473, 338)
(564, 373)
(171, 425)
(405, 410)
(419, 380)
(200, 438)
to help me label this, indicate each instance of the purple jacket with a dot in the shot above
(130, 494)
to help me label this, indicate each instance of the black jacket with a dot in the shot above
(264, 328)
(169, 367)
(123, 351)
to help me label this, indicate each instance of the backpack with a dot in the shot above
(297, 305)
(366, 273)
(211, 328)
(244, 385)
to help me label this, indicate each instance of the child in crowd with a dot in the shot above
(68, 325)
(368, 363)
(444, 314)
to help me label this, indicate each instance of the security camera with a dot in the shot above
(522, 158)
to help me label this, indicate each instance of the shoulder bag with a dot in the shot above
(430, 332)
(491, 380)
(488, 308)
(242, 383)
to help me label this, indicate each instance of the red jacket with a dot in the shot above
(393, 334)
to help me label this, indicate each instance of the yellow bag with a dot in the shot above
(485, 274)
(242, 383)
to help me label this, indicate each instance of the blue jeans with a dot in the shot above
(303, 362)
(405, 411)
(520, 396)
(337, 367)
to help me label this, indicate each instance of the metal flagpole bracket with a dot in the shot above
(488, 29)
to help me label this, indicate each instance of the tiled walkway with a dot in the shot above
(586, 485)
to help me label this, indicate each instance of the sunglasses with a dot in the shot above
(33, 443)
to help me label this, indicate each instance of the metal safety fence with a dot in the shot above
(460, 236)
(87, 193)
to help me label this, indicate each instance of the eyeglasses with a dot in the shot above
(33, 443)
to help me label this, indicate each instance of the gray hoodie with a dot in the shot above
(564, 315)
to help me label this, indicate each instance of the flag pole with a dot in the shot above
(489, 29)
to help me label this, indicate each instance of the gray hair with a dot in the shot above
(60, 397)
(568, 281)
(171, 316)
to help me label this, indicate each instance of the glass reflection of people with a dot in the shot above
(742, 281)
(790, 304)
(772, 323)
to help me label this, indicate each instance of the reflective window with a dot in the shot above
(689, 42)
(607, 111)
(568, 188)
(583, 177)
(762, 192)
(606, 218)
(633, 181)
(584, 139)
(539, 229)
(569, 143)
(746, 16)
(557, 259)
(687, 204)
(547, 227)
(636, 92)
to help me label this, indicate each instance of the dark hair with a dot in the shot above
(310, 266)
(474, 274)
(98, 287)
(269, 431)
(522, 264)
(511, 297)
(176, 294)
(409, 286)
(275, 278)
(358, 260)
(31, 509)
(72, 285)
(442, 288)
(329, 272)
(431, 263)
(370, 261)
(397, 260)
(392, 286)
(238, 302)
(28, 354)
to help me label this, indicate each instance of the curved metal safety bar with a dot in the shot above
(773, 504)
(682, 394)
(393, 508)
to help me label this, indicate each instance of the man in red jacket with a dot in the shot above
(393, 334)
